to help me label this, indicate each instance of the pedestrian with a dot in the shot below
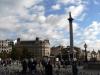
(29, 65)
(24, 66)
(75, 70)
(48, 69)
(34, 64)
(43, 63)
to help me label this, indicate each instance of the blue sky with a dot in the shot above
(47, 19)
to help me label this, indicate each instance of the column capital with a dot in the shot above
(70, 17)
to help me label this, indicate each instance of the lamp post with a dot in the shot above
(85, 46)
(61, 52)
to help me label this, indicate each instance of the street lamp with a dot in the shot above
(60, 55)
(85, 46)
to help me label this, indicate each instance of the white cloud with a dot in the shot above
(9, 7)
(76, 2)
(9, 24)
(42, 19)
(29, 3)
(56, 7)
(92, 30)
(65, 42)
(82, 17)
(76, 10)
(90, 35)
(13, 12)
(64, 1)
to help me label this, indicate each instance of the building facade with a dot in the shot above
(6, 45)
(91, 55)
(56, 50)
(37, 47)
(98, 55)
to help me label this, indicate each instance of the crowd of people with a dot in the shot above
(29, 65)
(33, 66)
(5, 62)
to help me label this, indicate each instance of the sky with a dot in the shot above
(48, 19)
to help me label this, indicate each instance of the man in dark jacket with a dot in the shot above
(24, 66)
(48, 69)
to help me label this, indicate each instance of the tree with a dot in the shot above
(4, 55)
(26, 53)
(14, 55)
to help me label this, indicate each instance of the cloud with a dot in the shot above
(92, 30)
(90, 35)
(29, 3)
(14, 14)
(76, 2)
(76, 10)
(82, 17)
(56, 7)
(9, 24)
(9, 7)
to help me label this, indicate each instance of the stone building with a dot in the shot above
(6, 45)
(91, 55)
(98, 55)
(56, 50)
(83, 55)
(37, 47)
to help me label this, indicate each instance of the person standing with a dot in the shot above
(74, 68)
(24, 66)
(48, 69)
(29, 65)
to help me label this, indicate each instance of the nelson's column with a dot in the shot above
(73, 62)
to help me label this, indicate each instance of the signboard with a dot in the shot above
(57, 59)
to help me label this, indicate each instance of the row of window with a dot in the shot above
(5, 47)
(5, 50)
